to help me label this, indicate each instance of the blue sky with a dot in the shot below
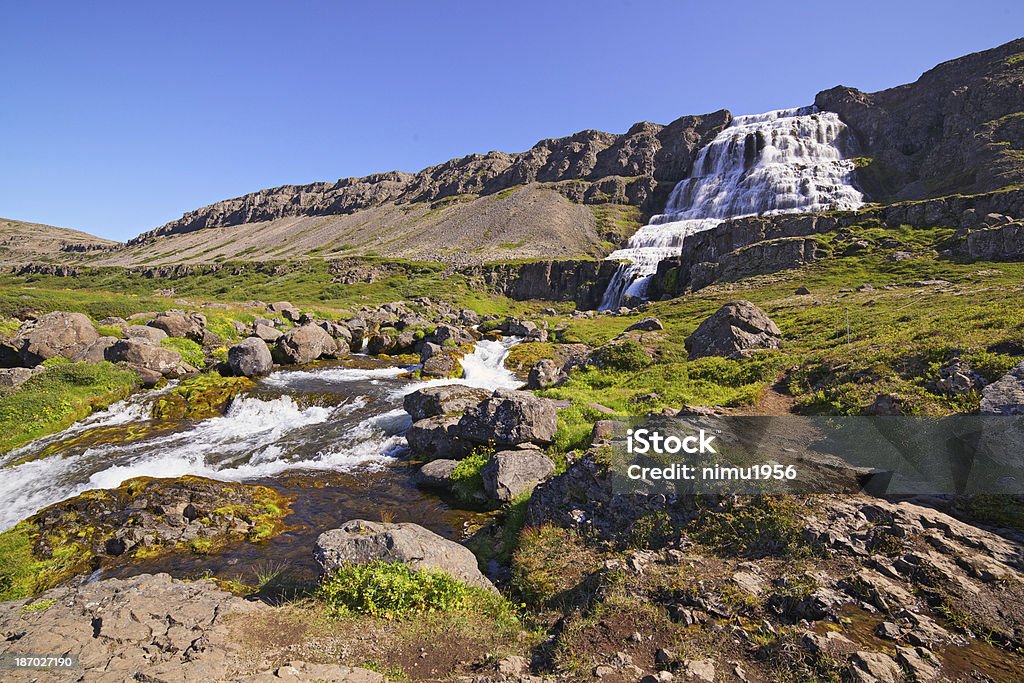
(116, 117)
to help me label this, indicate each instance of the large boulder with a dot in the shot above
(362, 542)
(437, 437)
(306, 343)
(437, 474)
(1005, 396)
(510, 473)
(96, 352)
(509, 418)
(177, 324)
(267, 333)
(54, 334)
(735, 330)
(442, 365)
(250, 357)
(443, 400)
(12, 378)
(153, 335)
(527, 329)
(144, 355)
(545, 373)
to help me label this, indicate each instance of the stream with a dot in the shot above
(329, 435)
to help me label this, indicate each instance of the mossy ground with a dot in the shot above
(35, 555)
(200, 397)
(58, 397)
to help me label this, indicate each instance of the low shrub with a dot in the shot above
(391, 590)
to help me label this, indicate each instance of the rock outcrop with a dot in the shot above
(1006, 395)
(735, 330)
(143, 354)
(509, 474)
(250, 358)
(305, 344)
(54, 334)
(509, 418)
(360, 542)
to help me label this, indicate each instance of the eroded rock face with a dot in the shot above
(735, 330)
(509, 418)
(142, 354)
(1006, 395)
(250, 358)
(511, 473)
(306, 344)
(168, 629)
(360, 542)
(54, 334)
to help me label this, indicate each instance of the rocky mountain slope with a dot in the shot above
(21, 242)
(957, 129)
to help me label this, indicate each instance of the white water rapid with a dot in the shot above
(786, 161)
(285, 425)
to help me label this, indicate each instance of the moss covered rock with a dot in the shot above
(200, 397)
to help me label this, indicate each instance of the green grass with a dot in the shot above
(191, 352)
(467, 484)
(59, 396)
(23, 574)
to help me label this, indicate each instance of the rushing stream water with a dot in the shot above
(330, 419)
(785, 161)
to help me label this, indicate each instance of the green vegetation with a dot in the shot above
(191, 352)
(1016, 59)
(203, 396)
(467, 484)
(758, 526)
(390, 589)
(61, 395)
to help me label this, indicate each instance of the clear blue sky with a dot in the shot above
(116, 117)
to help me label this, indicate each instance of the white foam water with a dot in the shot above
(257, 437)
(785, 161)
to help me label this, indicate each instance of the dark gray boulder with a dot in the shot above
(511, 473)
(54, 334)
(250, 358)
(306, 344)
(442, 400)
(509, 418)
(361, 542)
(437, 437)
(437, 474)
(650, 324)
(178, 324)
(735, 330)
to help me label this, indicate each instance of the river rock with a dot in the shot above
(380, 343)
(545, 373)
(250, 358)
(360, 542)
(1006, 395)
(177, 324)
(527, 329)
(96, 352)
(429, 350)
(442, 365)
(511, 473)
(735, 330)
(305, 344)
(154, 335)
(508, 418)
(54, 334)
(437, 474)
(444, 400)
(144, 355)
(450, 335)
(437, 437)
(267, 333)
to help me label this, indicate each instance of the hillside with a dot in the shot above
(22, 242)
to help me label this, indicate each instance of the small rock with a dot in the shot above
(649, 324)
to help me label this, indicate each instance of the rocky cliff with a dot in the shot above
(957, 129)
(588, 167)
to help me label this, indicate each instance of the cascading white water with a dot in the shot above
(259, 436)
(786, 161)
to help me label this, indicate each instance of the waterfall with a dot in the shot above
(786, 161)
